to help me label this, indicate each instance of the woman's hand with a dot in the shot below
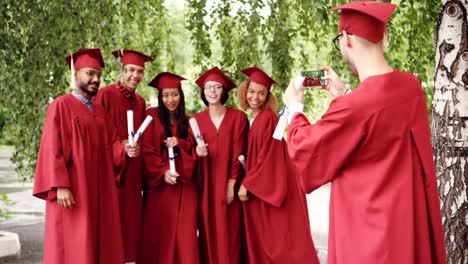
(171, 142)
(202, 150)
(243, 194)
(170, 177)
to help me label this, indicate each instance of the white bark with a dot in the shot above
(450, 126)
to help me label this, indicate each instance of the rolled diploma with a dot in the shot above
(142, 128)
(171, 159)
(241, 160)
(196, 131)
(281, 126)
(130, 126)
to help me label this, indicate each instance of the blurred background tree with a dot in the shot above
(449, 126)
(187, 37)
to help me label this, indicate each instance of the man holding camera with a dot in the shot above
(374, 145)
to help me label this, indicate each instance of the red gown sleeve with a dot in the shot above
(266, 175)
(239, 144)
(154, 165)
(54, 153)
(101, 100)
(321, 150)
(422, 137)
(187, 158)
(119, 157)
(200, 164)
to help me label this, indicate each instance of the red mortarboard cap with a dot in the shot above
(131, 57)
(166, 80)
(365, 19)
(258, 76)
(86, 58)
(215, 74)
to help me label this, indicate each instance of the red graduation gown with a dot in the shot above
(221, 224)
(75, 152)
(169, 233)
(130, 179)
(276, 218)
(374, 146)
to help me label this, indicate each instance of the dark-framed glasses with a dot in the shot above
(214, 86)
(336, 40)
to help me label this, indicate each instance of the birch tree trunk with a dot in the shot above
(450, 126)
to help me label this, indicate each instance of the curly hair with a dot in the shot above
(271, 101)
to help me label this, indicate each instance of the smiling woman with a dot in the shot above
(255, 93)
(224, 131)
(171, 99)
(270, 190)
(169, 193)
(270, 102)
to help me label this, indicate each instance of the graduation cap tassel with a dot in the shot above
(72, 73)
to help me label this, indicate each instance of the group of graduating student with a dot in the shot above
(373, 144)
(104, 175)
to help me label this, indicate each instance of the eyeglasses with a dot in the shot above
(92, 74)
(216, 87)
(336, 40)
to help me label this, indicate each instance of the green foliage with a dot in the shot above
(5, 136)
(4, 203)
(200, 32)
(282, 37)
(38, 35)
(412, 33)
(280, 33)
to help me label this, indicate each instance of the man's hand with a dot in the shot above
(230, 192)
(243, 194)
(171, 178)
(131, 150)
(334, 84)
(65, 197)
(202, 151)
(293, 94)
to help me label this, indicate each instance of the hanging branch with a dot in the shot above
(200, 32)
(225, 33)
(249, 25)
(278, 41)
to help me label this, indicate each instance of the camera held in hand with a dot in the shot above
(313, 78)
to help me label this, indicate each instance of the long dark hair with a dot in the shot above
(182, 121)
